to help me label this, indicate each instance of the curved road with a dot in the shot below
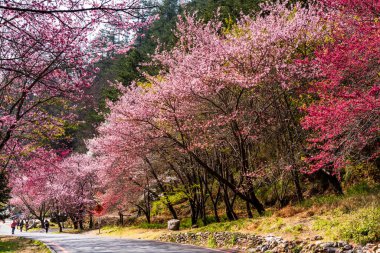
(72, 243)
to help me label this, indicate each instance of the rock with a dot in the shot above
(264, 248)
(194, 226)
(241, 242)
(173, 224)
(317, 238)
(339, 244)
(331, 250)
(347, 247)
(327, 245)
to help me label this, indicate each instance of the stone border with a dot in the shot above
(254, 243)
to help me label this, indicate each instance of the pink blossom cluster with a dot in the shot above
(47, 53)
(47, 181)
(345, 119)
(217, 93)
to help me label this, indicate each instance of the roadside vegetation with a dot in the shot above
(12, 244)
(351, 217)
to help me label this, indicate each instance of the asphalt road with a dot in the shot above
(72, 243)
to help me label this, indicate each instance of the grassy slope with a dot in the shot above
(353, 217)
(12, 244)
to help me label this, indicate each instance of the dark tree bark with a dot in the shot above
(231, 215)
(249, 212)
(335, 183)
(81, 227)
(74, 221)
(297, 185)
(91, 222)
(121, 218)
(60, 227)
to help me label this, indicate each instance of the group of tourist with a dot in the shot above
(19, 224)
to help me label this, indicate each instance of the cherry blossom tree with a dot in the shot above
(32, 180)
(345, 117)
(217, 96)
(50, 181)
(125, 183)
(47, 52)
(75, 189)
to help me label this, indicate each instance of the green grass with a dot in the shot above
(297, 249)
(111, 229)
(354, 217)
(142, 225)
(211, 242)
(295, 230)
(185, 223)
(17, 244)
(224, 226)
(69, 231)
(9, 246)
(271, 225)
(358, 190)
(233, 239)
(360, 226)
(41, 246)
(146, 225)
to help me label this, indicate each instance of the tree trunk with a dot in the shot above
(249, 212)
(334, 182)
(121, 219)
(194, 213)
(172, 210)
(147, 216)
(203, 214)
(216, 215)
(162, 188)
(91, 222)
(231, 215)
(42, 222)
(297, 185)
(255, 202)
(81, 227)
(74, 221)
(60, 227)
(330, 180)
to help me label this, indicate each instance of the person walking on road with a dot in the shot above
(21, 225)
(26, 225)
(13, 226)
(46, 224)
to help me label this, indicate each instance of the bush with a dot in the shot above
(364, 227)
(360, 188)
